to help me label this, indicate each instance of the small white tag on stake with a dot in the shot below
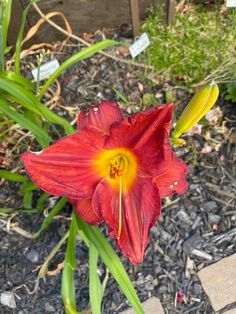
(231, 3)
(45, 70)
(139, 45)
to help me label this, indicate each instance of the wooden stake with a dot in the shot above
(134, 5)
(171, 4)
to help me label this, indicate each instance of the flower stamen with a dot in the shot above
(118, 166)
(120, 209)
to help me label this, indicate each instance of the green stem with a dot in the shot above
(44, 267)
(2, 59)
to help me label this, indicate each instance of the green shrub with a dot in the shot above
(195, 45)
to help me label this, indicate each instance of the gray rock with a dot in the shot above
(209, 206)
(196, 222)
(149, 286)
(158, 269)
(33, 256)
(184, 217)
(8, 299)
(49, 308)
(213, 219)
(155, 232)
(163, 289)
(192, 243)
(197, 288)
(165, 235)
(149, 277)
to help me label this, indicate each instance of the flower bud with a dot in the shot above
(199, 105)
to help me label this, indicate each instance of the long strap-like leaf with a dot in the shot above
(29, 101)
(112, 262)
(83, 54)
(42, 137)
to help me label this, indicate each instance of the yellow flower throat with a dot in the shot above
(119, 167)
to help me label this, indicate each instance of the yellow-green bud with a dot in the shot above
(199, 105)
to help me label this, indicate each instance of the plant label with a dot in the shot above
(139, 45)
(45, 70)
(231, 3)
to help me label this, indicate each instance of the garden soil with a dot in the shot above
(204, 218)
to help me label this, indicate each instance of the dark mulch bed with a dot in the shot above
(194, 230)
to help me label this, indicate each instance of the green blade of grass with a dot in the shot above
(42, 137)
(95, 287)
(41, 200)
(10, 211)
(29, 101)
(68, 284)
(60, 204)
(120, 95)
(10, 176)
(83, 54)
(112, 262)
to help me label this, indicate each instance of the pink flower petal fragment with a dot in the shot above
(173, 180)
(64, 168)
(140, 209)
(101, 117)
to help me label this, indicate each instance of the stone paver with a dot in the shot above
(150, 306)
(219, 282)
(233, 311)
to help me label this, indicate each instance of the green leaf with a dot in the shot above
(42, 137)
(27, 199)
(170, 97)
(68, 284)
(231, 92)
(29, 101)
(20, 38)
(83, 54)
(112, 262)
(33, 117)
(10, 176)
(28, 186)
(19, 79)
(149, 100)
(95, 287)
(6, 22)
(41, 201)
(83, 235)
(60, 204)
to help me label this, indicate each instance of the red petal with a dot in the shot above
(100, 117)
(173, 180)
(64, 168)
(83, 207)
(147, 133)
(140, 210)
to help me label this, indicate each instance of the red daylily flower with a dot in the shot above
(115, 169)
